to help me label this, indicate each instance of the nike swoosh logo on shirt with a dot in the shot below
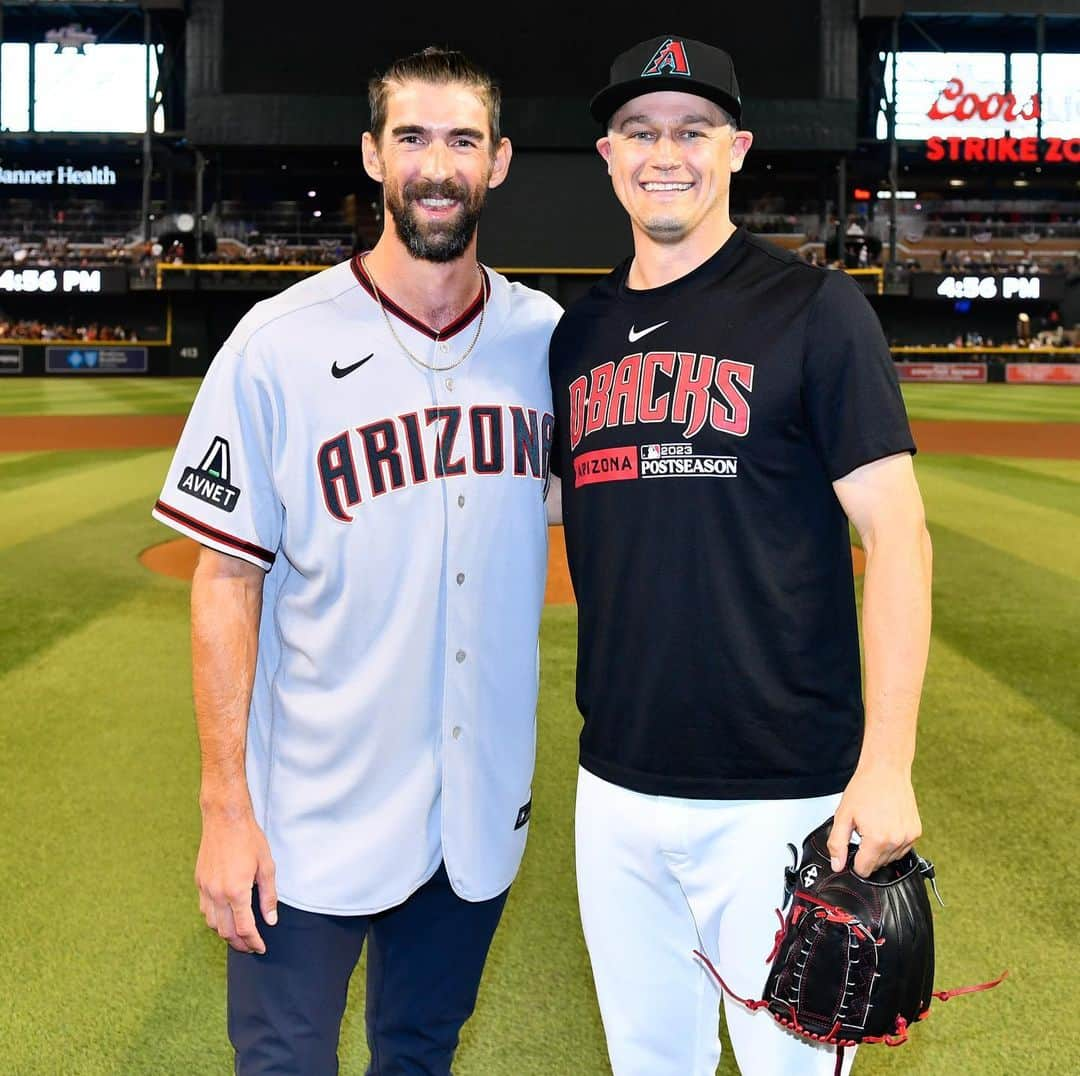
(634, 336)
(342, 371)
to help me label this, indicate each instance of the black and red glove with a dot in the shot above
(853, 960)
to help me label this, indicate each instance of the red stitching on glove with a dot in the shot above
(779, 939)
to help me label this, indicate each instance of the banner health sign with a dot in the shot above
(95, 360)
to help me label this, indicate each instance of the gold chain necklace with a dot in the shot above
(400, 343)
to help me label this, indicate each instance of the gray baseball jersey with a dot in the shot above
(399, 513)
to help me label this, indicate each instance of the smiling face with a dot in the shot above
(436, 162)
(670, 156)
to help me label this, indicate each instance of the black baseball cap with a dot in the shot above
(669, 62)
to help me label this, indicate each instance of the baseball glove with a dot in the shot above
(853, 961)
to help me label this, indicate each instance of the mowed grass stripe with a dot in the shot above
(1059, 492)
(1000, 403)
(28, 467)
(1043, 536)
(98, 845)
(1011, 617)
(997, 786)
(1059, 468)
(121, 395)
(51, 584)
(98, 395)
(61, 502)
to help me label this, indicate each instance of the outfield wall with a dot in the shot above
(994, 370)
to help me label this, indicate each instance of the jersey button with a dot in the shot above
(460, 578)
(443, 346)
(449, 384)
(456, 732)
(461, 500)
(460, 655)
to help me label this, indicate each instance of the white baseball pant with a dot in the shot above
(659, 877)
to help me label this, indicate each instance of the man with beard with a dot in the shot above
(365, 467)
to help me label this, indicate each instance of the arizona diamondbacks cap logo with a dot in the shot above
(669, 59)
(209, 481)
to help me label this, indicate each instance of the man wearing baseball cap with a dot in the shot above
(723, 410)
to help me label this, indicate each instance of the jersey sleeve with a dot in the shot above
(220, 488)
(851, 392)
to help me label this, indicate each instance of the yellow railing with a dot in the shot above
(506, 270)
(226, 267)
(937, 349)
(875, 272)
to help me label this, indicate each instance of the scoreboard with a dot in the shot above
(47, 280)
(1010, 287)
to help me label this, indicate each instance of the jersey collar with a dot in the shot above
(459, 323)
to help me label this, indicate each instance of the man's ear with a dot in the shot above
(603, 147)
(740, 146)
(370, 153)
(501, 163)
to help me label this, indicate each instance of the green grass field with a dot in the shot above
(107, 967)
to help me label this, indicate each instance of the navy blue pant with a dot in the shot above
(424, 962)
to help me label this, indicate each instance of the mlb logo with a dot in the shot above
(650, 452)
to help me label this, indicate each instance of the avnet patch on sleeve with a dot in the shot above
(210, 480)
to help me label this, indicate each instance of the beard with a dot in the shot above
(665, 229)
(435, 241)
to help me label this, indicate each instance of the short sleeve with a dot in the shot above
(851, 393)
(220, 489)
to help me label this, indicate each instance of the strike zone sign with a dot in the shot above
(955, 104)
(1019, 150)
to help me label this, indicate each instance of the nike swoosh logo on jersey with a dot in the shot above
(342, 371)
(634, 336)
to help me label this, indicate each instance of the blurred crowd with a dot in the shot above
(32, 329)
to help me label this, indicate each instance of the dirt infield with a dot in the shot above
(50, 433)
(1035, 440)
(30, 433)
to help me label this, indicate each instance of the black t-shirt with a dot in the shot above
(699, 427)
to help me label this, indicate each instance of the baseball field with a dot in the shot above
(105, 964)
